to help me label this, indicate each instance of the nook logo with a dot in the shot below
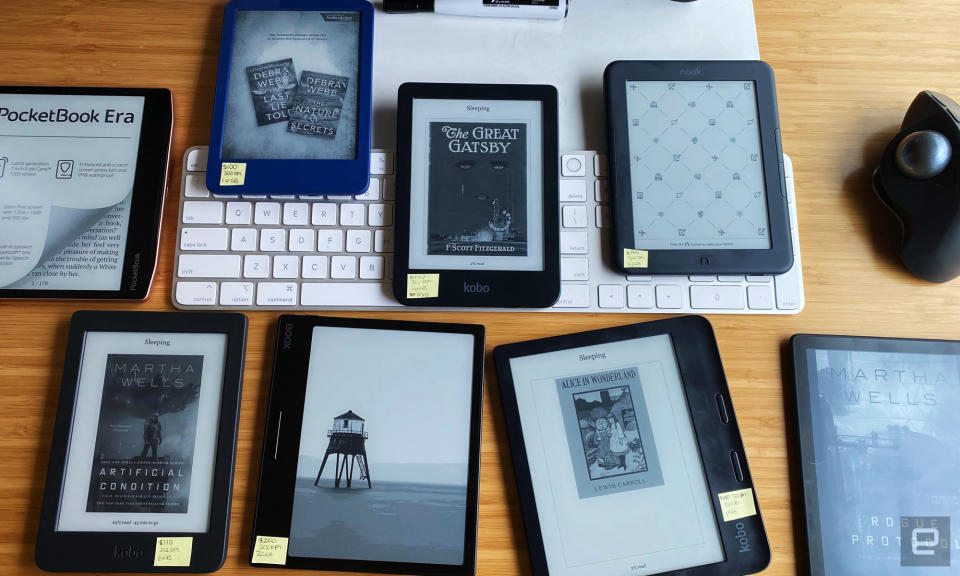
(287, 336)
(742, 539)
(127, 553)
(476, 288)
(690, 72)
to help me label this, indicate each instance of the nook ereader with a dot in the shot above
(627, 454)
(696, 168)
(879, 454)
(371, 467)
(141, 466)
(292, 113)
(477, 199)
(83, 172)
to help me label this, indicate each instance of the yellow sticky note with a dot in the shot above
(737, 504)
(233, 173)
(173, 551)
(423, 285)
(270, 550)
(634, 258)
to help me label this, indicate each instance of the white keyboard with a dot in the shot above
(314, 252)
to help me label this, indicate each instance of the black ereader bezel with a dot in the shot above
(488, 289)
(804, 464)
(774, 260)
(135, 551)
(149, 189)
(278, 467)
(712, 415)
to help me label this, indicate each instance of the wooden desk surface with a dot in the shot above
(846, 72)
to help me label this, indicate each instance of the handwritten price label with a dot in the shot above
(173, 551)
(233, 173)
(270, 550)
(635, 258)
(423, 285)
(737, 504)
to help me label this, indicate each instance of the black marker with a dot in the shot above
(542, 9)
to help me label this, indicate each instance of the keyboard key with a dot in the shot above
(209, 266)
(203, 239)
(314, 266)
(358, 240)
(574, 269)
(202, 212)
(383, 241)
(610, 295)
(253, 196)
(371, 267)
(389, 189)
(373, 191)
(347, 294)
(283, 196)
(244, 240)
(380, 215)
(351, 214)
(286, 266)
(343, 267)
(603, 216)
(573, 191)
(717, 297)
(669, 296)
(764, 279)
(330, 240)
(256, 266)
(197, 161)
(574, 216)
(601, 191)
(731, 278)
(236, 294)
(573, 165)
(574, 296)
(760, 297)
(703, 278)
(381, 163)
(267, 213)
(639, 296)
(324, 214)
(273, 240)
(295, 214)
(196, 187)
(639, 278)
(239, 212)
(788, 295)
(276, 294)
(600, 166)
(197, 293)
(302, 240)
(573, 242)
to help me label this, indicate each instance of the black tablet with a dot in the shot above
(627, 454)
(696, 168)
(371, 466)
(141, 467)
(292, 113)
(879, 454)
(477, 199)
(83, 173)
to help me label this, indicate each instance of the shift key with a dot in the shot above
(209, 266)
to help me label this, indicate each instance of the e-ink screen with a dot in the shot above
(384, 452)
(476, 185)
(293, 91)
(143, 439)
(614, 460)
(67, 168)
(696, 166)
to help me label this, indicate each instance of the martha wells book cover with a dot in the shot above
(272, 87)
(143, 456)
(609, 433)
(477, 197)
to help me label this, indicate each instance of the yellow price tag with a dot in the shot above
(173, 551)
(423, 285)
(737, 504)
(635, 258)
(270, 550)
(233, 173)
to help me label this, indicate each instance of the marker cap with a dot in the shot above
(400, 6)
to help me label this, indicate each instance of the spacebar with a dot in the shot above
(347, 294)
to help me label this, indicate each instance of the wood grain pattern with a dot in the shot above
(845, 72)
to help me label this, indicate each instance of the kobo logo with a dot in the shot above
(128, 553)
(742, 539)
(287, 336)
(476, 288)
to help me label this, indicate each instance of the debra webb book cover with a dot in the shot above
(272, 87)
(317, 104)
(143, 455)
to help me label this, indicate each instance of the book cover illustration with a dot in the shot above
(317, 104)
(887, 456)
(272, 86)
(477, 197)
(609, 433)
(143, 455)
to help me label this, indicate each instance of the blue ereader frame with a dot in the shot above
(316, 176)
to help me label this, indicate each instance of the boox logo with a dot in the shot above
(287, 336)
(476, 288)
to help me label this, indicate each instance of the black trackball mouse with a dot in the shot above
(918, 181)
